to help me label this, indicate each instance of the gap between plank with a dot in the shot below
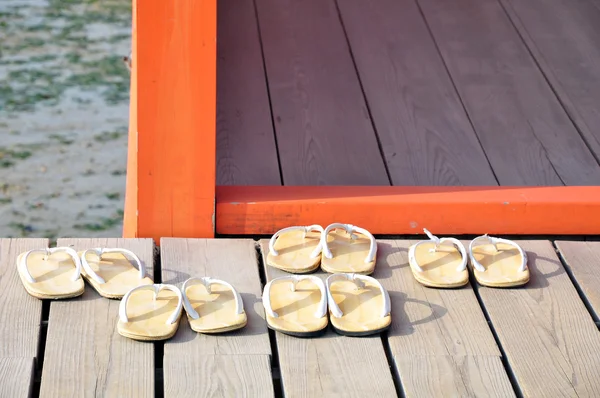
(537, 64)
(509, 371)
(159, 346)
(364, 94)
(264, 65)
(391, 363)
(578, 288)
(39, 362)
(275, 368)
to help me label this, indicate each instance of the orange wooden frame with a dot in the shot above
(171, 188)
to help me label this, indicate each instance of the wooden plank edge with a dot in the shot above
(263, 210)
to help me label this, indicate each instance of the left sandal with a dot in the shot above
(111, 273)
(439, 262)
(215, 307)
(348, 249)
(498, 262)
(51, 273)
(358, 305)
(147, 317)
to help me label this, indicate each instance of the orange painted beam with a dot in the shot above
(407, 210)
(130, 211)
(176, 117)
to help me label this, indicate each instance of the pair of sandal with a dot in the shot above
(58, 273)
(442, 262)
(358, 305)
(337, 248)
(212, 306)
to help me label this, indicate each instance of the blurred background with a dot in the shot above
(64, 104)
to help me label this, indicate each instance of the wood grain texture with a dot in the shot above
(550, 341)
(423, 127)
(20, 314)
(246, 151)
(453, 376)
(439, 338)
(524, 130)
(234, 261)
(564, 37)
(220, 376)
(85, 355)
(324, 132)
(16, 377)
(582, 259)
(331, 365)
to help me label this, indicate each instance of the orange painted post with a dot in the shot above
(130, 211)
(407, 210)
(175, 69)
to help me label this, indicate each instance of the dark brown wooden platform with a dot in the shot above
(534, 341)
(408, 92)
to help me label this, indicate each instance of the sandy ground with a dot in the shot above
(64, 103)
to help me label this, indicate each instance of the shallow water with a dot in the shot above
(64, 103)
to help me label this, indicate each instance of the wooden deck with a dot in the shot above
(405, 92)
(541, 340)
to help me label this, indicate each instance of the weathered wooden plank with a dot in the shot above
(16, 377)
(453, 376)
(439, 338)
(564, 37)
(188, 352)
(582, 260)
(422, 125)
(20, 314)
(220, 376)
(324, 132)
(524, 130)
(548, 336)
(331, 365)
(246, 151)
(85, 355)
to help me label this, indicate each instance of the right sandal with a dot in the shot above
(348, 249)
(296, 305)
(358, 305)
(498, 262)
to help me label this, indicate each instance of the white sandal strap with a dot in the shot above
(266, 298)
(438, 242)
(23, 263)
(495, 241)
(100, 251)
(306, 230)
(358, 280)
(157, 287)
(350, 229)
(207, 282)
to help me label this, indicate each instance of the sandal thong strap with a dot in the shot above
(494, 241)
(438, 242)
(266, 298)
(208, 282)
(359, 280)
(157, 287)
(306, 230)
(48, 252)
(100, 251)
(350, 229)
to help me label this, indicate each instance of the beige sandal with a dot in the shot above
(298, 307)
(439, 262)
(498, 262)
(51, 273)
(296, 249)
(358, 305)
(215, 307)
(348, 249)
(111, 273)
(143, 315)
